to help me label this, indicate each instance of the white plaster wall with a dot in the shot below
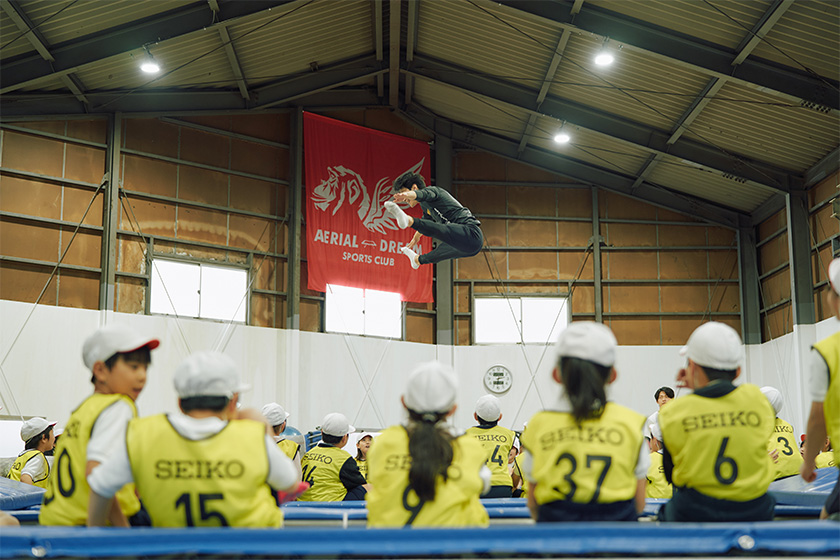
(312, 374)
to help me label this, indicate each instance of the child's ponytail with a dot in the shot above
(430, 448)
(584, 382)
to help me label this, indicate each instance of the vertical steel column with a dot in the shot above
(748, 283)
(443, 270)
(295, 211)
(799, 253)
(596, 256)
(110, 215)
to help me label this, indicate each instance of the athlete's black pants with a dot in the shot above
(499, 492)
(357, 493)
(455, 240)
(562, 510)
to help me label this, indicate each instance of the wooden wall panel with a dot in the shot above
(253, 234)
(18, 239)
(630, 265)
(683, 265)
(152, 136)
(479, 166)
(23, 282)
(253, 195)
(310, 316)
(675, 236)
(777, 322)
(823, 225)
(495, 232)
(618, 206)
(583, 299)
(35, 154)
(481, 268)
(153, 218)
(84, 163)
(678, 298)
(420, 328)
(78, 289)
(532, 201)
(199, 224)
(772, 224)
(723, 264)
(131, 295)
(573, 234)
(676, 330)
(726, 298)
(635, 331)
(483, 199)
(575, 203)
(776, 287)
(150, 176)
(76, 202)
(463, 334)
(632, 299)
(258, 159)
(569, 264)
(462, 298)
(629, 235)
(34, 198)
(824, 190)
(202, 185)
(532, 233)
(722, 236)
(92, 130)
(263, 310)
(773, 253)
(85, 250)
(532, 265)
(202, 147)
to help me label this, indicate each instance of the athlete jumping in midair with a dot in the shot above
(444, 219)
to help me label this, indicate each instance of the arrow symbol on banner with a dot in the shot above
(369, 243)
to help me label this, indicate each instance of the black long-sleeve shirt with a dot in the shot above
(440, 206)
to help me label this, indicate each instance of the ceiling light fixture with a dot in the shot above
(562, 138)
(149, 65)
(604, 56)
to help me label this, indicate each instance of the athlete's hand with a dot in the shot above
(293, 494)
(405, 196)
(808, 471)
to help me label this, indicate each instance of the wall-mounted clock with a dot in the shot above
(498, 379)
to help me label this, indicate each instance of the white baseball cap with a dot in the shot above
(336, 424)
(715, 345)
(32, 427)
(274, 413)
(488, 408)
(775, 397)
(113, 339)
(834, 275)
(208, 374)
(587, 340)
(432, 387)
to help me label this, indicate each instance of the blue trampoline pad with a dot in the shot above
(789, 537)
(17, 495)
(795, 491)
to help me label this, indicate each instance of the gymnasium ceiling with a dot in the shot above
(716, 108)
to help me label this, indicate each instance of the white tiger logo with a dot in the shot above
(345, 185)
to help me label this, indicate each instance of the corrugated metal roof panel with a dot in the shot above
(90, 16)
(12, 39)
(488, 39)
(185, 63)
(591, 147)
(709, 185)
(809, 34)
(470, 109)
(321, 32)
(748, 122)
(710, 21)
(641, 88)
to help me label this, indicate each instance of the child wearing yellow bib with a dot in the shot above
(585, 458)
(31, 466)
(824, 387)
(212, 466)
(423, 475)
(715, 440)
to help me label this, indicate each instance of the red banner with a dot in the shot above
(350, 239)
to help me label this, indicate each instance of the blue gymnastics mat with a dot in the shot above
(17, 495)
(790, 537)
(795, 491)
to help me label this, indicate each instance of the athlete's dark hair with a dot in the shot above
(430, 448)
(407, 179)
(667, 390)
(142, 355)
(584, 382)
(33, 442)
(332, 440)
(215, 404)
(714, 374)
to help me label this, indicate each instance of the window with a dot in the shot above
(199, 290)
(498, 320)
(360, 311)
